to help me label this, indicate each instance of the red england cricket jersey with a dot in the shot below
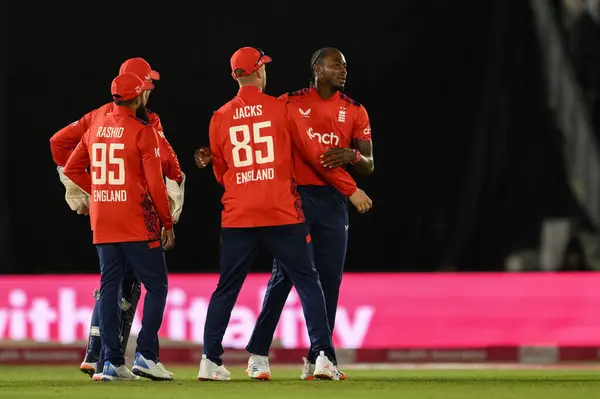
(252, 139)
(65, 140)
(333, 123)
(128, 196)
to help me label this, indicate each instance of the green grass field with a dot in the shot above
(63, 382)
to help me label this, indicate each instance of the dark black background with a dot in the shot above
(467, 163)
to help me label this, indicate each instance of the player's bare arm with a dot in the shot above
(366, 164)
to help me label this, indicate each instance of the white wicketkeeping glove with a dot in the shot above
(176, 195)
(77, 199)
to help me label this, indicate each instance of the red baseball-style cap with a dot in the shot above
(141, 68)
(249, 59)
(126, 86)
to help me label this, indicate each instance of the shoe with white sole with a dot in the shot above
(324, 368)
(117, 373)
(150, 369)
(307, 370)
(209, 371)
(97, 375)
(258, 368)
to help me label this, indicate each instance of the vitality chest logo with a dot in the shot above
(324, 138)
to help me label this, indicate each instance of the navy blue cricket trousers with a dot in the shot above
(147, 260)
(95, 343)
(239, 247)
(326, 212)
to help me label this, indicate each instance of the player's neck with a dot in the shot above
(250, 86)
(325, 92)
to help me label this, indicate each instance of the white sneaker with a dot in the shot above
(209, 371)
(324, 368)
(114, 373)
(258, 368)
(307, 370)
(338, 375)
(150, 369)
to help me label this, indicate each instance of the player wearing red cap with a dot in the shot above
(337, 123)
(251, 139)
(129, 213)
(62, 145)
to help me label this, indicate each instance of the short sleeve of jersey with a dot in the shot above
(362, 125)
(283, 97)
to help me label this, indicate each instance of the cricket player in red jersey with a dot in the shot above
(251, 139)
(62, 145)
(129, 206)
(337, 123)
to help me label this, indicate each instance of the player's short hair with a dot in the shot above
(240, 73)
(124, 102)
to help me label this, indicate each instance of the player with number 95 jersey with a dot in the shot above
(128, 198)
(129, 212)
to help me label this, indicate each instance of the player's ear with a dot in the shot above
(260, 72)
(319, 70)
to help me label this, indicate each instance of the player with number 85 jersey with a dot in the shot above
(252, 139)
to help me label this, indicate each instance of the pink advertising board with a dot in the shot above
(375, 311)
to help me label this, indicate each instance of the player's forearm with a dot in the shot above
(80, 177)
(219, 174)
(169, 161)
(60, 155)
(340, 180)
(63, 143)
(158, 191)
(365, 166)
(172, 171)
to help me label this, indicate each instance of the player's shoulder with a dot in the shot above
(103, 110)
(298, 95)
(346, 98)
(268, 99)
(224, 109)
(152, 116)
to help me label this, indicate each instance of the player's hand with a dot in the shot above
(203, 157)
(84, 210)
(335, 157)
(78, 200)
(168, 239)
(361, 201)
(176, 194)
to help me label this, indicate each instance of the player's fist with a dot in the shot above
(168, 239)
(361, 201)
(202, 157)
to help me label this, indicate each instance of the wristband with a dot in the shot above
(357, 157)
